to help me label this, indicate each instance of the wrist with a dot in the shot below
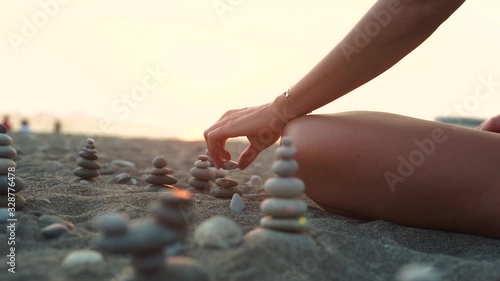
(284, 109)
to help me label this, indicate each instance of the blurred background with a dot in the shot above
(170, 69)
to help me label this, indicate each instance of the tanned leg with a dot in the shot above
(408, 171)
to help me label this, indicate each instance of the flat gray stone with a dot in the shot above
(286, 141)
(82, 257)
(284, 187)
(49, 219)
(202, 174)
(161, 171)
(199, 184)
(202, 164)
(19, 200)
(237, 204)
(89, 150)
(122, 178)
(123, 163)
(227, 193)
(160, 180)
(54, 230)
(7, 152)
(113, 224)
(157, 188)
(5, 164)
(160, 162)
(286, 152)
(226, 182)
(230, 165)
(88, 164)
(288, 225)
(202, 157)
(88, 156)
(5, 139)
(91, 146)
(85, 173)
(285, 168)
(418, 272)
(18, 185)
(218, 232)
(283, 208)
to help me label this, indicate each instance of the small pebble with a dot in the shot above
(122, 178)
(230, 165)
(255, 181)
(418, 272)
(237, 203)
(160, 162)
(54, 230)
(45, 200)
(123, 163)
(218, 232)
(48, 219)
(286, 141)
(84, 182)
(82, 257)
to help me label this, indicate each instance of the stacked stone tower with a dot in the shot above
(10, 184)
(88, 166)
(160, 178)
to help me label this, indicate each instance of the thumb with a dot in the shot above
(248, 156)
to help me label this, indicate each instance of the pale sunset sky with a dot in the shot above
(82, 60)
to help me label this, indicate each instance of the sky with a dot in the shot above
(161, 68)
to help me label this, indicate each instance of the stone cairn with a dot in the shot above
(147, 239)
(201, 175)
(160, 178)
(88, 166)
(7, 165)
(226, 188)
(284, 214)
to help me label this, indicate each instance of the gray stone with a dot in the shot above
(174, 215)
(202, 164)
(5, 140)
(3, 129)
(237, 203)
(255, 181)
(9, 152)
(48, 219)
(19, 200)
(88, 156)
(285, 168)
(88, 164)
(199, 184)
(283, 208)
(220, 173)
(161, 171)
(54, 230)
(160, 162)
(5, 164)
(284, 187)
(230, 165)
(226, 182)
(202, 157)
(218, 232)
(286, 152)
(289, 225)
(418, 272)
(161, 180)
(113, 224)
(18, 185)
(82, 257)
(122, 178)
(298, 241)
(202, 174)
(91, 146)
(85, 173)
(5, 215)
(157, 188)
(287, 141)
(123, 163)
(90, 141)
(223, 192)
(89, 150)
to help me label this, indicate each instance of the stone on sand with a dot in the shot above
(160, 182)
(230, 165)
(255, 181)
(49, 219)
(54, 230)
(418, 272)
(123, 163)
(237, 204)
(218, 232)
(82, 257)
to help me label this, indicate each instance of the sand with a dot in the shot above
(348, 249)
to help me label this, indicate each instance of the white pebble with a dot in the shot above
(218, 232)
(81, 257)
(418, 272)
(255, 181)
(237, 203)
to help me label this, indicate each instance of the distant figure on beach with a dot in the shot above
(57, 127)
(6, 122)
(25, 126)
(375, 165)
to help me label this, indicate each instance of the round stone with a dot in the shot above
(19, 200)
(113, 224)
(88, 156)
(202, 164)
(237, 204)
(289, 225)
(199, 184)
(218, 232)
(5, 140)
(202, 174)
(283, 208)
(3, 129)
(89, 150)
(48, 219)
(54, 230)
(284, 187)
(223, 192)
(85, 173)
(90, 141)
(5, 184)
(82, 257)
(286, 152)
(161, 171)
(226, 182)
(89, 164)
(161, 180)
(230, 165)
(286, 141)
(7, 152)
(176, 197)
(160, 162)
(5, 164)
(202, 157)
(285, 168)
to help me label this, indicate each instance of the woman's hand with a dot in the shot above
(262, 125)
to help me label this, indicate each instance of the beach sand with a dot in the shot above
(348, 249)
